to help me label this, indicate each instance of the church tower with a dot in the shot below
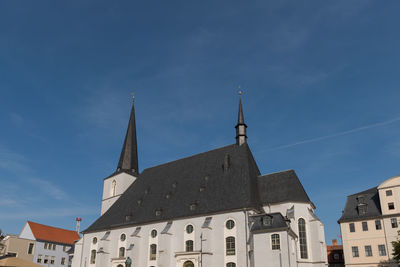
(127, 169)
(241, 136)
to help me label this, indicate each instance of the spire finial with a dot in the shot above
(240, 92)
(133, 96)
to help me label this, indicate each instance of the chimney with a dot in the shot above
(334, 242)
(78, 223)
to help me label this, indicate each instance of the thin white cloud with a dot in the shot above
(359, 129)
(49, 188)
(51, 213)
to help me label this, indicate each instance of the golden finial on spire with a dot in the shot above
(240, 92)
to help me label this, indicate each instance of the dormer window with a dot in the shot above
(266, 221)
(389, 193)
(362, 209)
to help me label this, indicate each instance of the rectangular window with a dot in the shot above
(45, 245)
(52, 259)
(64, 248)
(39, 259)
(378, 225)
(62, 261)
(394, 222)
(368, 251)
(391, 205)
(54, 246)
(382, 250)
(354, 251)
(275, 241)
(30, 248)
(153, 252)
(389, 192)
(364, 226)
(352, 228)
(46, 259)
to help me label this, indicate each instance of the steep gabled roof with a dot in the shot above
(219, 180)
(369, 198)
(280, 187)
(53, 234)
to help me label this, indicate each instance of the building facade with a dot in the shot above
(41, 244)
(335, 254)
(370, 222)
(210, 209)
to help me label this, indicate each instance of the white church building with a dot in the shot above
(211, 209)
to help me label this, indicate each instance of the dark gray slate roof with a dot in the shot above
(368, 198)
(128, 160)
(282, 186)
(218, 180)
(278, 222)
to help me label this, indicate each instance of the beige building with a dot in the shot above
(20, 247)
(369, 223)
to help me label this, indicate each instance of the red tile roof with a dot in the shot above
(53, 234)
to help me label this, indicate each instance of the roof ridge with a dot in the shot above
(51, 226)
(188, 157)
(288, 170)
(363, 192)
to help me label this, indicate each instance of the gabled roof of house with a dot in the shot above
(53, 234)
(370, 198)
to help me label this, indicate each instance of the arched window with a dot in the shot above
(121, 252)
(231, 264)
(113, 186)
(275, 242)
(189, 245)
(153, 252)
(93, 256)
(230, 245)
(303, 239)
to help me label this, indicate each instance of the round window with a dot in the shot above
(230, 224)
(153, 233)
(189, 229)
(94, 241)
(123, 237)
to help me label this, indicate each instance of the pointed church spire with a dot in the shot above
(240, 126)
(129, 158)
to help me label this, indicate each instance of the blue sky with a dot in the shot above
(321, 93)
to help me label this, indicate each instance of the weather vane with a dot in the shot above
(133, 95)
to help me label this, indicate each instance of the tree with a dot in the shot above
(396, 250)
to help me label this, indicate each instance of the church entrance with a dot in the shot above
(188, 264)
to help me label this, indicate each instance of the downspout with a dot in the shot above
(288, 249)
(386, 242)
(247, 247)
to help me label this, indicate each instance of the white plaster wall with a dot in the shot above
(26, 232)
(263, 252)
(316, 245)
(123, 181)
(170, 243)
